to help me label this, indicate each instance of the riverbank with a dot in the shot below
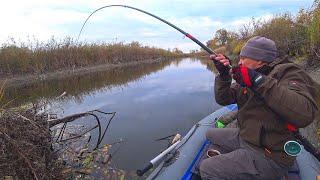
(37, 57)
(20, 80)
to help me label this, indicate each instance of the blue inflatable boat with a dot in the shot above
(182, 159)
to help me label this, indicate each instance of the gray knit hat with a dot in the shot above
(260, 48)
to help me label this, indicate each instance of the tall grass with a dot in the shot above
(37, 57)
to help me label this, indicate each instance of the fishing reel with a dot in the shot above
(292, 148)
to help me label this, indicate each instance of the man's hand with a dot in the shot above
(222, 63)
(246, 77)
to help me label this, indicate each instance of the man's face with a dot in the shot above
(250, 63)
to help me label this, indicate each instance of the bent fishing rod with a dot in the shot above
(145, 12)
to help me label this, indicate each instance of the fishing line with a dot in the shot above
(145, 12)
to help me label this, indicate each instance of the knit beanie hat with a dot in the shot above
(260, 48)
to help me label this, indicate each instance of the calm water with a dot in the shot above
(151, 100)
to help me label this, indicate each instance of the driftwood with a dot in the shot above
(67, 119)
(29, 147)
(74, 117)
(78, 156)
(80, 135)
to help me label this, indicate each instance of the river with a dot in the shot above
(151, 101)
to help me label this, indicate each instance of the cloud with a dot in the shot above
(236, 24)
(46, 18)
(140, 17)
(149, 32)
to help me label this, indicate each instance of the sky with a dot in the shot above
(27, 20)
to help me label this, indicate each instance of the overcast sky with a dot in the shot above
(43, 19)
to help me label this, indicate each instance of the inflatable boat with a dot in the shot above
(180, 161)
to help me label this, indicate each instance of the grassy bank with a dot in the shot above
(37, 57)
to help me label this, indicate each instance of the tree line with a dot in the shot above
(295, 35)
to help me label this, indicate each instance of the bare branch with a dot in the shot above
(67, 119)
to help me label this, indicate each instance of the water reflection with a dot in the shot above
(151, 100)
(78, 86)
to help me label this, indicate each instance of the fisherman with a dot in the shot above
(270, 92)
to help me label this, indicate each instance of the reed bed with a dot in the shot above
(36, 57)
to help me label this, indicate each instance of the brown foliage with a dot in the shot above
(296, 36)
(38, 58)
(25, 151)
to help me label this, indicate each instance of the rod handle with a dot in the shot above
(140, 172)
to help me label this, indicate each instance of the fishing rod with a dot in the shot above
(145, 12)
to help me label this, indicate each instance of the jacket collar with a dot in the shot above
(266, 69)
(279, 61)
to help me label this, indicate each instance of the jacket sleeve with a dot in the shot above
(224, 93)
(292, 97)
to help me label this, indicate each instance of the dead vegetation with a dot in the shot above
(35, 144)
(25, 148)
(35, 58)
